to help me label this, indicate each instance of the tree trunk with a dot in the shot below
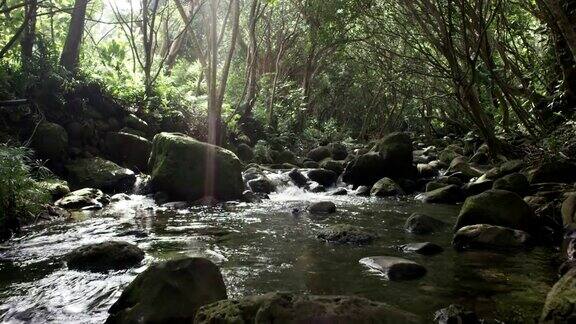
(71, 52)
(29, 33)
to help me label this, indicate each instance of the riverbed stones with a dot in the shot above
(560, 306)
(460, 165)
(386, 187)
(362, 191)
(105, 256)
(450, 194)
(346, 234)
(188, 169)
(395, 268)
(169, 292)
(262, 185)
(87, 198)
(280, 307)
(515, 182)
(425, 248)
(322, 208)
(99, 173)
(51, 141)
(364, 170)
(324, 177)
(332, 165)
(497, 207)
(56, 188)
(484, 236)
(298, 178)
(396, 152)
(423, 224)
(560, 171)
(320, 153)
(339, 151)
(128, 150)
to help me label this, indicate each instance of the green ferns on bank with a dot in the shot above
(21, 196)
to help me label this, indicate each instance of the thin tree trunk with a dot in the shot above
(29, 33)
(71, 52)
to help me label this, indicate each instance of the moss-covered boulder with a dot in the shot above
(346, 234)
(189, 170)
(105, 256)
(450, 194)
(324, 177)
(332, 165)
(128, 150)
(497, 207)
(51, 141)
(515, 182)
(100, 174)
(56, 187)
(291, 308)
(320, 153)
(386, 187)
(169, 292)
(554, 171)
(87, 198)
(396, 151)
(560, 306)
(364, 170)
(484, 236)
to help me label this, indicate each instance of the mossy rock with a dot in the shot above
(292, 308)
(100, 174)
(128, 150)
(497, 207)
(105, 256)
(51, 141)
(346, 234)
(386, 187)
(560, 306)
(189, 170)
(169, 292)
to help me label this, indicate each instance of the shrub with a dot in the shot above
(21, 196)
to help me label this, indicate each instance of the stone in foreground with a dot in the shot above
(169, 292)
(105, 256)
(189, 170)
(292, 308)
(425, 248)
(346, 234)
(322, 207)
(484, 236)
(396, 269)
(455, 314)
(560, 306)
(423, 224)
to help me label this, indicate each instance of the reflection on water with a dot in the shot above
(262, 248)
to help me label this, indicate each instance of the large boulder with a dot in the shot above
(423, 224)
(324, 177)
(386, 187)
(454, 314)
(515, 182)
(169, 292)
(460, 165)
(333, 165)
(322, 207)
(484, 236)
(364, 170)
(297, 177)
(87, 198)
(189, 170)
(497, 207)
(51, 141)
(99, 173)
(291, 308)
(128, 150)
(395, 268)
(555, 171)
(245, 152)
(505, 168)
(560, 306)
(346, 234)
(105, 256)
(338, 150)
(262, 185)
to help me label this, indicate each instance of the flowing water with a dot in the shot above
(266, 247)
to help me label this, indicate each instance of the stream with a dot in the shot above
(266, 247)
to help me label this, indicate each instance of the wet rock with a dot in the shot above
(128, 150)
(291, 308)
(426, 170)
(136, 123)
(395, 268)
(396, 152)
(332, 165)
(480, 158)
(180, 168)
(363, 191)
(433, 185)
(311, 164)
(298, 178)
(455, 314)
(515, 182)
(51, 141)
(569, 210)
(89, 198)
(560, 306)
(250, 197)
(386, 187)
(316, 188)
(101, 174)
(320, 153)
(346, 234)
(459, 165)
(324, 177)
(448, 155)
(339, 192)
(484, 236)
(105, 256)
(555, 171)
(176, 205)
(504, 169)
(262, 185)
(322, 207)
(477, 187)
(425, 248)
(451, 194)
(497, 207)
(423, 224)
(120, 197)
(169, 292)
(364, 169)
(56, 188)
